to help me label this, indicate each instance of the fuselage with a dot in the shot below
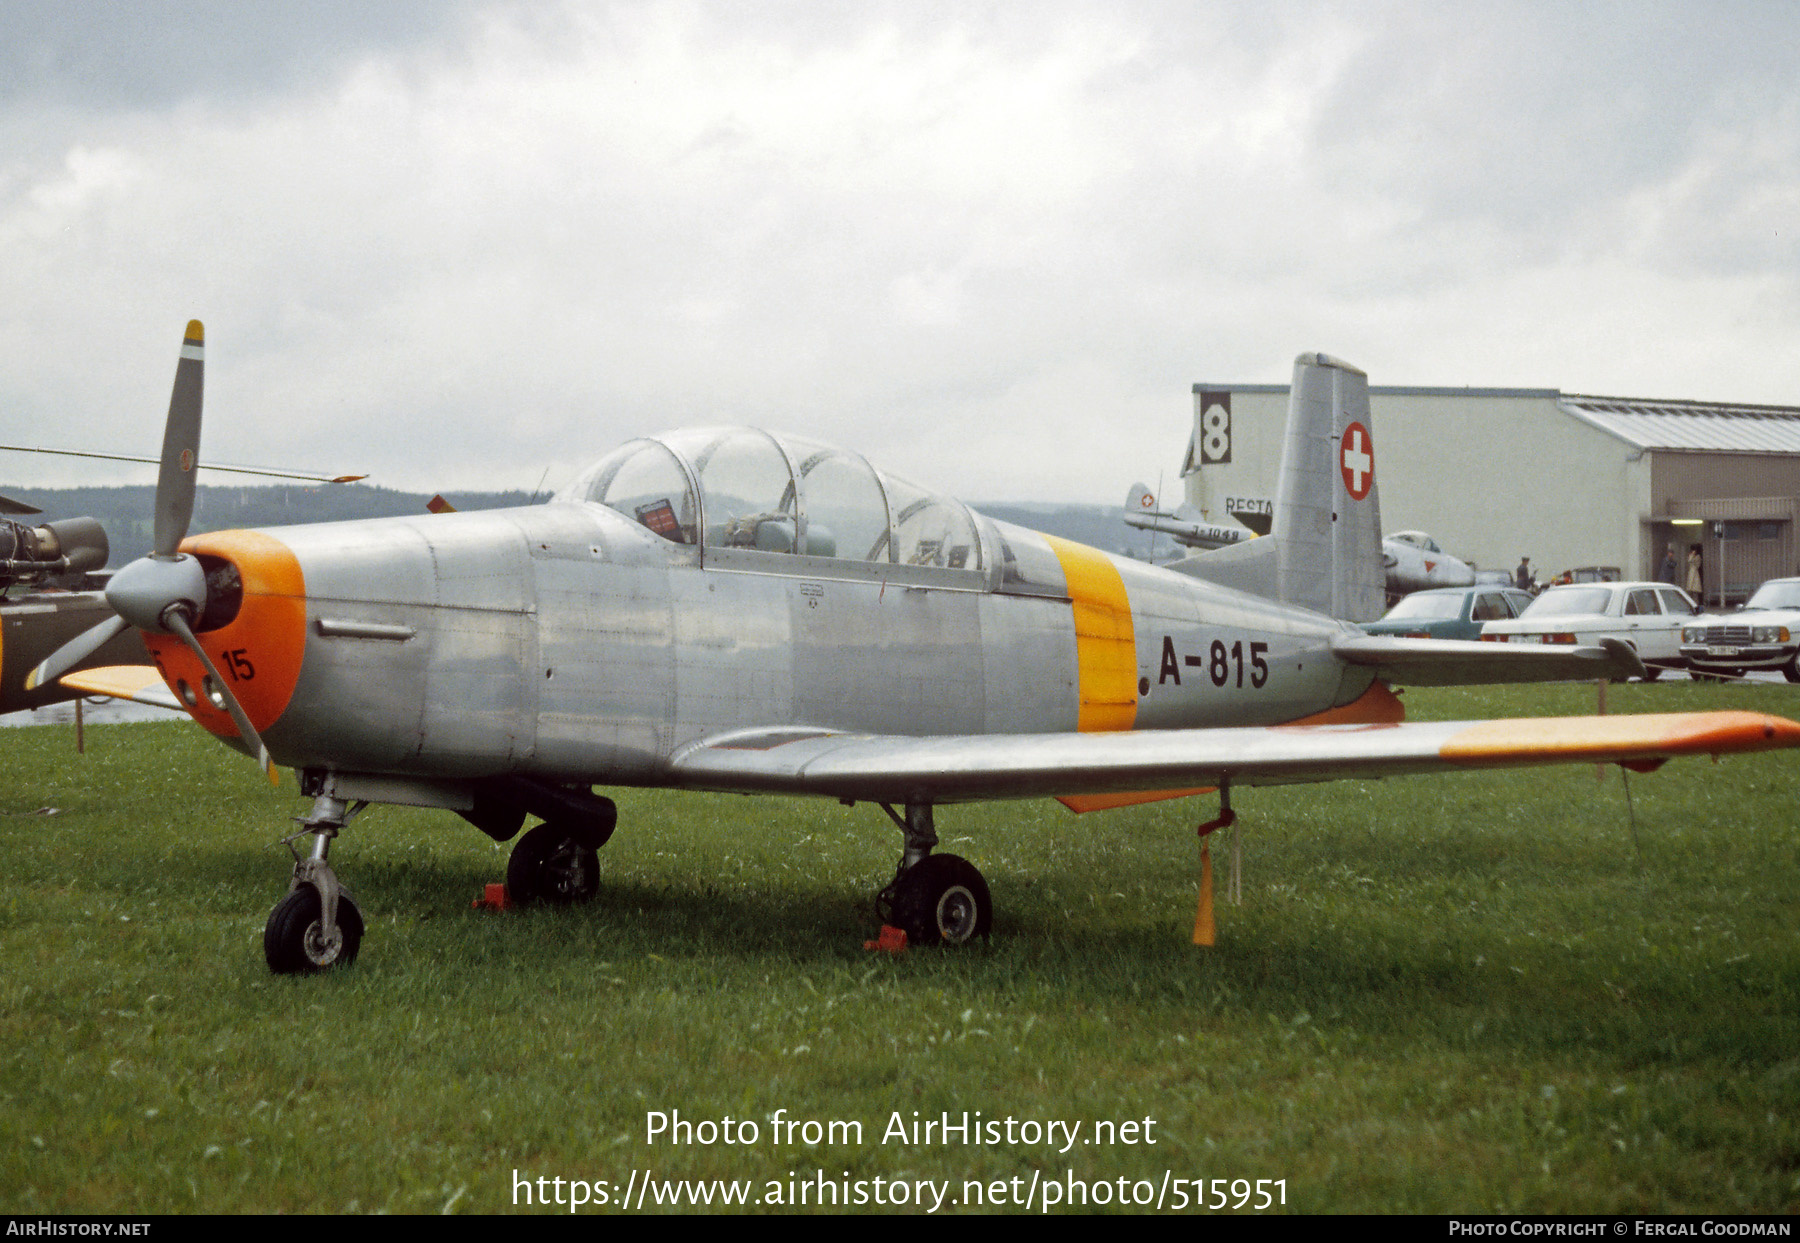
(569, 642)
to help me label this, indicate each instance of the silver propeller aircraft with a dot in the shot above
(726, 609)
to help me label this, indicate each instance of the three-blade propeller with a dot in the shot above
(165, 593)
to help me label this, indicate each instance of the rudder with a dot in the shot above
(1328, 503)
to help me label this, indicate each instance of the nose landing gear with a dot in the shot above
(317, 925)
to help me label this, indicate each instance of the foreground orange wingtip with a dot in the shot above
(140, 683)
(1598, 738)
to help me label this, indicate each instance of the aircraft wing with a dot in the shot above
(1453, 662)
(138, 683)
(946, 769)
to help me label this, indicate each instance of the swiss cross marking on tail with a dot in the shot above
(1357, 457)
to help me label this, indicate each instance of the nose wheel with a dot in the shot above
(317, 925)
(297, 941)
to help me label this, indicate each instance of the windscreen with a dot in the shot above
(1776, 596)
(1569, 601)
(1424, 607)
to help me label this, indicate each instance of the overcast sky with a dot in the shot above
(993, 246)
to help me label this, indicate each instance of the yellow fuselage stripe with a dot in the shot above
(1105, 645)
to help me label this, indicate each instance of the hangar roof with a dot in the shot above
(1642, 422)
(1692, 426)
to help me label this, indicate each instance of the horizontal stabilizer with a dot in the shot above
(1452, 662)
(952, 769)
(138, 683)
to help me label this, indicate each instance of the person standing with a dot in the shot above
(1696, 579)
(1522, 575)
(1671, 568)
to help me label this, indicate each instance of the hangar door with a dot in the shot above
(1743, 540)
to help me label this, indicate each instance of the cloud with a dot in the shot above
(992, 253)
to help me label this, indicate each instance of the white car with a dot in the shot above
(1648, 616)
(1764, 634)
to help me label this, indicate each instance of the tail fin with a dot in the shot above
(1324, 549)
(1327, 504)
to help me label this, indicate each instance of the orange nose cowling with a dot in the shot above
(258, 652)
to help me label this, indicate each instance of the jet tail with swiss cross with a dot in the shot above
(1323, 551)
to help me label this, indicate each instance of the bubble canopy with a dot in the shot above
(740, 488)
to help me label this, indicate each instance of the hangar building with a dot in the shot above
(1569, 480)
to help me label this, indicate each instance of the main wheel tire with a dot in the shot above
(943, 900)
(551, 864)
(294, 943)
(1791, 670)
(1652, 672)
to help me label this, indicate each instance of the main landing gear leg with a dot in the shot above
(936, 899)
(318, 924)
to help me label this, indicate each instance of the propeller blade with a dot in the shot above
(177, 622)
(75, 651)
(181, 445)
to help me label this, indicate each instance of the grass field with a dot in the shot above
(1474, 993)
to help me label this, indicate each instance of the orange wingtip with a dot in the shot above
(118, 681)
(1620, 737)
(196, 333)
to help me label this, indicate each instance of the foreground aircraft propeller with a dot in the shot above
(166, 592)
(732, 610)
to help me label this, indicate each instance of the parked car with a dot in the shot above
(1648, 616)
(1594, 574)
(1764, 634)
(1451, 612)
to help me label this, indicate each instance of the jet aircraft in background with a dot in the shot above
(1184, 524)
(733, 610)
(1414, 562)
(1412, 559)
(53, 565)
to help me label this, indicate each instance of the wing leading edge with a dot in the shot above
(968, 768)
